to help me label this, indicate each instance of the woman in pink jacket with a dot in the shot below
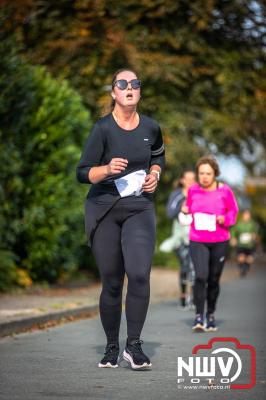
(214, 209)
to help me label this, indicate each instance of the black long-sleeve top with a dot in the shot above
(142, 147)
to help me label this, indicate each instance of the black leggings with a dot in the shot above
(208, 260)
(183, 255)
(124, 243)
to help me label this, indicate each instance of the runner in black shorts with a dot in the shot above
(244, 237)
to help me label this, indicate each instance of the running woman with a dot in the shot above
(122, 159)
(214, 209)
(244, 236)
(181, 227)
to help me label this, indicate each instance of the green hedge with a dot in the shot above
(43, 128)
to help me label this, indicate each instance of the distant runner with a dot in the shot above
(214, 209)
(244, 237)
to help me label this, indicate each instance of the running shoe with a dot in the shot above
(111, 356)
(134, 355)
(198, 324)
(210, 324)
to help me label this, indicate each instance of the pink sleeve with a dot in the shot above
(231, 208)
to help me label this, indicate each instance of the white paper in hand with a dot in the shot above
(131, 184)
(205, 222)
(185, 219)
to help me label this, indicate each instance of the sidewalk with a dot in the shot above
(49, 307)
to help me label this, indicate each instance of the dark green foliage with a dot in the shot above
(202, 62)
(43, 127)
(8, 270)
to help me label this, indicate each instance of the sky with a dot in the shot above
(232, 170)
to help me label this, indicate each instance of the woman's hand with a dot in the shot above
(116, 165)
(220, 219)
(185, 209)
(150, 184)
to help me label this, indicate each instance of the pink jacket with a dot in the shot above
(220, 201)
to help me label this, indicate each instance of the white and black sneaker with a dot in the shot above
(198, 324)
(111, 356)
(134, 355)
(210, 324)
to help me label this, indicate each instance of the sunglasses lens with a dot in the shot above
(135, 83)
(121, 84)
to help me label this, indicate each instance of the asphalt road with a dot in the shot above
(61, 363)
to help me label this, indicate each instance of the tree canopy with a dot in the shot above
(202, 63)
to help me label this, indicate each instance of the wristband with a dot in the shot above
(157, 173)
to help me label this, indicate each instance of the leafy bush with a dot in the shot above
(43, 127)
(8, 273)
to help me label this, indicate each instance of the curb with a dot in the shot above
(46, 320)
